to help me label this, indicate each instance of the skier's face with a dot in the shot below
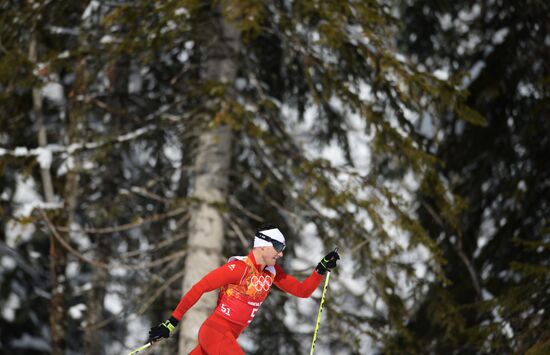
(271, 255)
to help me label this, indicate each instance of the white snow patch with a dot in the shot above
(7, 262)
(88, 165)
(93, 6)
(474, 73)
(181, 11)
(183, 56)
(53, 91)
(189, 45)
(21, 151)
(73, 269)
(64, 54)
(500, 35)
(76, 311)
(136, 328)
(113, 303)
(107, 39)
(27, 209)
(173, 153)
(17, 233)
(30, 342)
(240, 84)
(441, 74)
(10, 306)
(44, 156)
(64, 30)
(135, 84)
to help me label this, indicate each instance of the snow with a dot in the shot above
(73, 269)
(26, 209)
(64, 30)
(135, 83)
(64, 54)
(113, 303)
(106, 39)
(21, 151)
(92, 7)
(240, 84)
(173, 153)
(77, 311)
(5, 196)
(67, 165)
(441, 74)
(11, 305)
(181, 11)
(79, 238)
(53, 91)
(25, 196)
(30, 342)
(138, 132)
(500, 35)
(7, 263)
(44, 157)
(136, 327)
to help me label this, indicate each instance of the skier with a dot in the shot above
(244, 283)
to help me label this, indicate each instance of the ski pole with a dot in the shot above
(143, 347)
(320, 311)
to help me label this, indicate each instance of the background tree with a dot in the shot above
(497, 248)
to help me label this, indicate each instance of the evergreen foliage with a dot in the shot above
(497, 252)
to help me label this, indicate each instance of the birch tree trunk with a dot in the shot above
(211, 168)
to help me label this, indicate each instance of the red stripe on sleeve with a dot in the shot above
(296, 288)
(230, 273)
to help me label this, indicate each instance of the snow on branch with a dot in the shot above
(26, 209)
(44, 154)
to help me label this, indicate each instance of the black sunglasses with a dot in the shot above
(277, 245)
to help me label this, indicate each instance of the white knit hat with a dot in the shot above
(273, 233)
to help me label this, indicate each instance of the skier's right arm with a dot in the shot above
(231, 273)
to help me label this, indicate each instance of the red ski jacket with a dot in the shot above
(243, 288)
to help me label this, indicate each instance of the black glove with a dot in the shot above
(328, 262)
(163, 330)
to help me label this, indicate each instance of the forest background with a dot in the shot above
(143, 142)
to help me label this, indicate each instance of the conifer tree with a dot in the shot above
(497, 248)
(303, 76)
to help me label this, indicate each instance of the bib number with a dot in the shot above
(225, 310)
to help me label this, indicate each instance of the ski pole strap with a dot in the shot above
(168, 325)
(319, 314)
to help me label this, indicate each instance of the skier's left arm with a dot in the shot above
(305, 288)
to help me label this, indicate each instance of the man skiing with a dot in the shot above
(244, 283)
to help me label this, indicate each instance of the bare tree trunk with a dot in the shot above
(42, 137)
(206, 230)
(58, 255)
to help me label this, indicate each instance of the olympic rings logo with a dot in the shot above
(262, 282)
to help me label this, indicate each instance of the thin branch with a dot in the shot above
(158, 246)
(103, 323)
(166, 284)
(238, 231)
(458, 248)
(68, 247)
(99, 264)
(127, 226)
